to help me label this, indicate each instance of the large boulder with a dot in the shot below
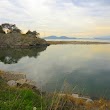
(89, 101)
(13, 76)
(25, 81)
(12, 83)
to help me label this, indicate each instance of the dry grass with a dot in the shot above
(53, 101)
(1, 72)
(68, 102)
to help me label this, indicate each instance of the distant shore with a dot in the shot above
(75, 42)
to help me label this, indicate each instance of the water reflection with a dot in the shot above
(79, 68)
(10, 56)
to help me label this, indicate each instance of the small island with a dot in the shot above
(12, 37)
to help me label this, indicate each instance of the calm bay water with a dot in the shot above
(81, 69)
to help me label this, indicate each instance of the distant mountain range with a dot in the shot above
(65, 37)
(61, 37)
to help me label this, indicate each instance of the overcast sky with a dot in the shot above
(74, 18)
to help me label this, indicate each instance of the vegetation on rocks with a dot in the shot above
(11, 37)
(19, 98)
(33, 33)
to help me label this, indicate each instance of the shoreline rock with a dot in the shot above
(76, 96)
(12, 37)
(16, 40)
(62, 100)
(19, 79)
(13, 76)
(88, 100)
(12, 83)
(14, 79)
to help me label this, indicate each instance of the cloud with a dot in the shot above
(61, 17)
(91, 3)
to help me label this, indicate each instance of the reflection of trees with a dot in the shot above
(9, 56)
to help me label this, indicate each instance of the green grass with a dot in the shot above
(19, 98)
(25, 98)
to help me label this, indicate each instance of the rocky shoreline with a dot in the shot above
(15, 40)
(14, 79)
(23, 46)
(17, 82)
